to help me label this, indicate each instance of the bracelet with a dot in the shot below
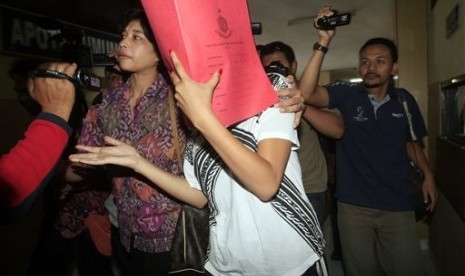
(318, 47)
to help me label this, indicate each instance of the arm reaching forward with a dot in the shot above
(119, 153)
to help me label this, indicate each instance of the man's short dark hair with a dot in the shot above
(278, 46)
(382, 41)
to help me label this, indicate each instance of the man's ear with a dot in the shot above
(395, 69)
(294, 67)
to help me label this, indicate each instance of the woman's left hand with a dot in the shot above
(194, 98)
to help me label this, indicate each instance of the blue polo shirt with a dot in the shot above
(372, 160)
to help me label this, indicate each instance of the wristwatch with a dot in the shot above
(318, 47)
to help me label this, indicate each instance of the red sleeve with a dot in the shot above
(27, 165)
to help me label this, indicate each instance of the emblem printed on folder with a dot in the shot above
(223, 30)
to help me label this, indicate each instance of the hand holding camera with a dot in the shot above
(54, 96)
(332, 21)
(80, 78)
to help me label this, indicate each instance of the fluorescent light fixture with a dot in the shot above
(355, 80)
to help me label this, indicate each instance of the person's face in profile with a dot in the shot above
(136, 53)
(115, 79)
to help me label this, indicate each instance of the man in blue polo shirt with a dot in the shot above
(375, 210)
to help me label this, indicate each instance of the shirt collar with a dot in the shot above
(391, 91)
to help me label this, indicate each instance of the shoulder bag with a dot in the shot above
(189, 250)
(415, 175)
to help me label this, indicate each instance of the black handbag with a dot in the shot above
(415, 175)
(188, 252)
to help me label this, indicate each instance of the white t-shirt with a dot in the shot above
(249, 236)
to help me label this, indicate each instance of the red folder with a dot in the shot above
(208, 35)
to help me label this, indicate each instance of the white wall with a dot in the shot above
(412, 44)
(446, 56)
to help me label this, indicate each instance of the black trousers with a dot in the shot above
(55, 255)
(136, 262)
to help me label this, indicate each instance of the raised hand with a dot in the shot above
(192, 97)
(325, 34)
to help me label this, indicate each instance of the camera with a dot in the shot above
(256, 28)
(333, 21)
(277, 74)
(87, 80)
(80, 79)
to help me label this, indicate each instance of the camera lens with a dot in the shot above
(277, 74)
(87, 80)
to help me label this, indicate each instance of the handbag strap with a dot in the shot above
(403, 101)
(177, 145)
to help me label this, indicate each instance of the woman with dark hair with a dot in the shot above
(137, 112)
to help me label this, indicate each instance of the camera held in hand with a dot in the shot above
(277, 74)
(333, 21)
(80, 79)
(87, 80)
